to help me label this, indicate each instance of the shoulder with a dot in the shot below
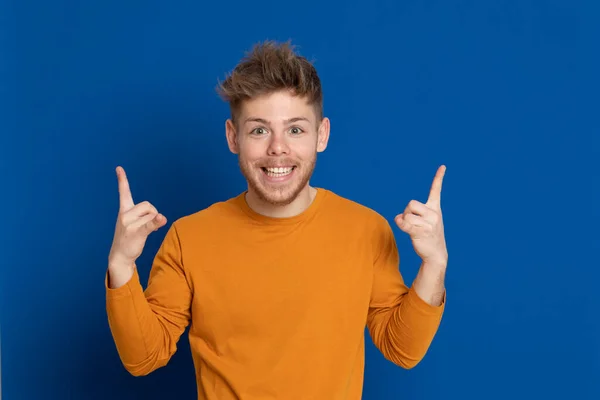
(353, 218)
(215, 216)
(352, 211)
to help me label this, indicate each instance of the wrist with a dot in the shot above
(117, 277)
(119, 263)
(436, 265)
(119, 272)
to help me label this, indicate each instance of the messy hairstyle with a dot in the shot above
(270, 67)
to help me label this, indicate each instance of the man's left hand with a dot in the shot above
(424, 224)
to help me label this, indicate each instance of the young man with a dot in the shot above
(278, 283)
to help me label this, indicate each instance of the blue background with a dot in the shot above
(505, 93)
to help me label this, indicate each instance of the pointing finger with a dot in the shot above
(435, 192)
(125, 198)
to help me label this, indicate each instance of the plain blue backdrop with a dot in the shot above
(505, 93)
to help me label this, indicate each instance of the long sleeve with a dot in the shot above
(402, 325)
(146, 325)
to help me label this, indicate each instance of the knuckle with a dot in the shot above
(122, 221)
(147, 206)
(150, 227)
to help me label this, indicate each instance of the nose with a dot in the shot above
(278, 145)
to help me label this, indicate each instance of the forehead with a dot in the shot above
(276, 107)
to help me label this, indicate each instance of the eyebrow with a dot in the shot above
(264, 121)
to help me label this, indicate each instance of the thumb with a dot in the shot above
(151, 223)
(404, 226)
(399, 219)
(158, 222)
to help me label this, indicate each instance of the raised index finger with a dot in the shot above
(435, 193)
(125, 198)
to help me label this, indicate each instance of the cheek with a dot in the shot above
(251, 153)
(305, 151)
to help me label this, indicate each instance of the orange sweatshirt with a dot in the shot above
(277, 308)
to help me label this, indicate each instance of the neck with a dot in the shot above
(297, 206)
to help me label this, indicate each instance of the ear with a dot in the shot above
(323, 135)
(232, 137)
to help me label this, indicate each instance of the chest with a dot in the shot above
(283, 286)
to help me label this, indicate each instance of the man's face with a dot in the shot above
(277, 138)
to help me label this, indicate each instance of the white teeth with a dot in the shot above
(278, 171)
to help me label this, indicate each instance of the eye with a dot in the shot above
(296, 130)
(258, 131)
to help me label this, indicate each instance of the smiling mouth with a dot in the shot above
(278, 172)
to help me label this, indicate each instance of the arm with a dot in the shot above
(402, 321)
(429, 283)
(146, 326)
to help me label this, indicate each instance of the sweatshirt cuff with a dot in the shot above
(425, 308)
(133, 287)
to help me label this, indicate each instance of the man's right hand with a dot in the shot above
(134, 223)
